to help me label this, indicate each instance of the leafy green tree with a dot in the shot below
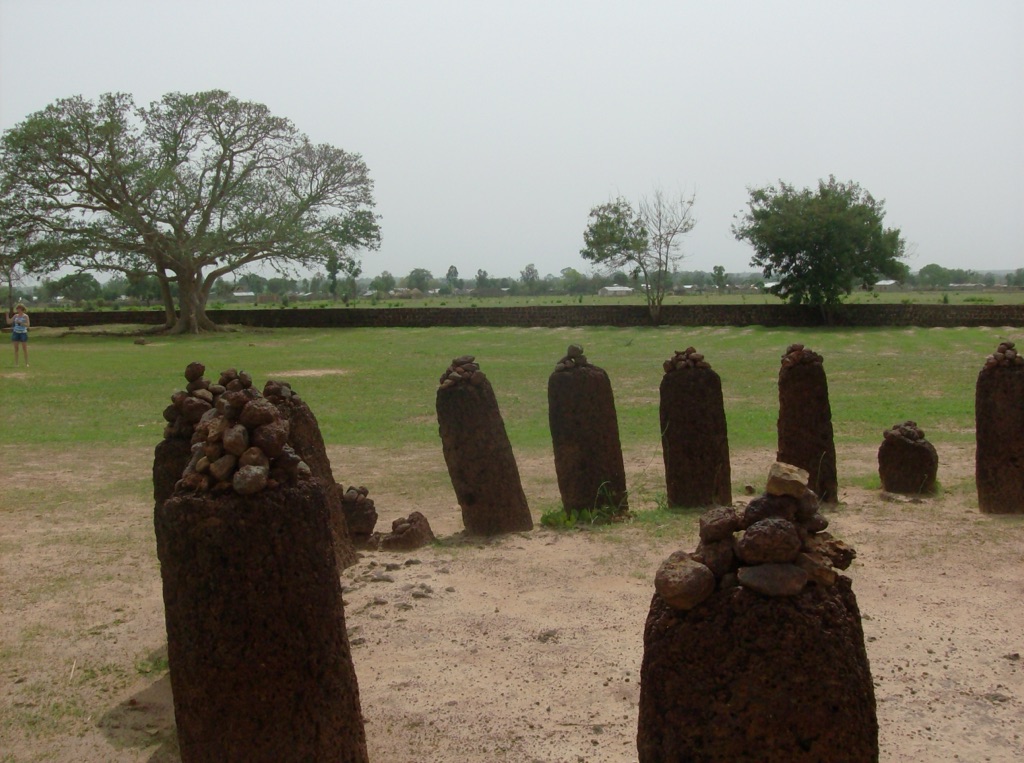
(932, 275)
(574, 282)
(114, 288)
(482, 281)
(188, 189)
(78, 287)
(452, 278)
(719, 277)
(419, 278)
(529, 277)
(384, 283)
(647, 241)
(1016, 278)
(819, 244)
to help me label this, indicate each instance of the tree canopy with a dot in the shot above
(820, 244)
(646, 241)
(188, 189)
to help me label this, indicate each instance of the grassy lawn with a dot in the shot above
(376, 387)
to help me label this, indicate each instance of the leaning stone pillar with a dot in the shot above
(308, 442)
(260, 664)
(585, 436)
(753, 646)
(694, 439)
(478, 453)
(805, 420)
(999, 429)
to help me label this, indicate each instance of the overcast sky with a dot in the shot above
(491, 127)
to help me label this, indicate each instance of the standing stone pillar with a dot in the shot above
(694, 438)
(999, 429)
(478, 453)
(907, 462)
(753, 646)
(260, 664)
(585, 436)
(805, 420)
(308, 442)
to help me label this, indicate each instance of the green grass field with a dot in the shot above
(376, 387)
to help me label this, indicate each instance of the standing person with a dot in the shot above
(19, 336)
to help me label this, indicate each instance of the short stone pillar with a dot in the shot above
(907, 462)
(805, 420)
(305, 437)
(694, 438)
(478, 453)
(753, 646)
(260, 664)
(585, 436)
(999, 429)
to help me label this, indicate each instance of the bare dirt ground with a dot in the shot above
(523, 648)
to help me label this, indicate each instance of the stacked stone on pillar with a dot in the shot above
(999, 429)
(260, 663)
(694, 437)
(907, 462)
(753, 646)
(187, 406)
(805, 420)
(478, 453)
(585, 435)
(305, 437)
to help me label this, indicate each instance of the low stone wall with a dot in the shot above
(554, 316)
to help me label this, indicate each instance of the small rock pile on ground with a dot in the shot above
(805, 420)
(998, 424)
(688, 358)
(360, 514)
(478, 453)
(907, 462)
(753, 646)
(694, 436)
(407, 534)
(585, 437)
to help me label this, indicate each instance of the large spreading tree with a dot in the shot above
(820, 244)
(646, 241)
(188, 189)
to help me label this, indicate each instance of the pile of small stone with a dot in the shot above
(574, 358)
(781, 548)
(279, 391)
(688, 358)
(1005, 355)
(908, 430)
(463, 370)
(797, 354)
(239, 438)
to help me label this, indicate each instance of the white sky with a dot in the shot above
(491, 127)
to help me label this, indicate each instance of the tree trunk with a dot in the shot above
(170, 316)
(192, 307)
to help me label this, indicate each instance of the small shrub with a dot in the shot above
(945, 298)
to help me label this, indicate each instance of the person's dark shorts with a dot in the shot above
(15, 337)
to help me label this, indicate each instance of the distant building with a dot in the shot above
(614, 291)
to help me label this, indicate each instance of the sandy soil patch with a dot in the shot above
(523, 648)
